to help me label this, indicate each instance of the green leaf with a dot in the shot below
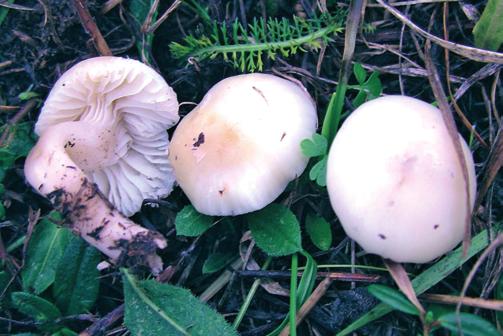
(27, 95)
(77, 282)
(276, 230)
(45, 251)
(65, 332)
(393, 298)
(488, 31)
(373, 85)
(319, 172)
(191, 223)
(471, 325)
(316, 146)
(216, 261)
(2, 211)
(5, 278)
(156, 309)
(360, 73)
(427, 279)
(359, 99)
(18, 143)
(319, 231)
(35, 307)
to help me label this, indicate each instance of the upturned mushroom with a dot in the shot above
(102, 150)
(395, 181)
(239, 148)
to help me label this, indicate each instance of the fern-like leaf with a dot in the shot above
(246, 47)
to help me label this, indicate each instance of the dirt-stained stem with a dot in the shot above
(53, 173)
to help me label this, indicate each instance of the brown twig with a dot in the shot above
(103, 323)
(450, 124)
(338, 276)
(91, 28)
(23, 111)
(147, 28)
(475, 54)
(313, 299)
(467, 301)
(495, 244)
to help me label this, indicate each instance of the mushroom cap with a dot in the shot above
(395, 181)
(132, 106)
(240, 147)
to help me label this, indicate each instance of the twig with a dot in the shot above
(109, 5)
(90, 26)
(484, 72)
(475, 54)
(338, 276)
(23, 111)
(495, 244)
(450, 124)
(467, 301)
(164, 16)
(317, 294)
(103, 323)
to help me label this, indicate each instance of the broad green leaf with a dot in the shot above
(359, 99)
(154, 309)
(191, 223)
(316, 146)
(471, 325)
(319, 172)
(77, 282)
(45, 251)
(427, 279)
(276, 230)
(319, 231)
(488, 31)
(35, 307)
(2, 211)
(216, 261)
(360, 73)
(393, 298)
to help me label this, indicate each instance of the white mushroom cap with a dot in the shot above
(395, 181)
(130, 106)
(240, 147)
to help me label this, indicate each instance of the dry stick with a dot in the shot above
(495, 243)
(402, 279)
(460, 113)
(472, 53)
(103, 323)
(450, 124)
(467, 301)
(90, 26)
(109, 5)
(313, 299)
(23, 111)
(163, 17)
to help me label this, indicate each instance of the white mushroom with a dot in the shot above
(103, 130)
(129, 106)
(395, 181)
(240, 147)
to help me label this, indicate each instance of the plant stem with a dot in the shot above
(249, 297)
(293, 295)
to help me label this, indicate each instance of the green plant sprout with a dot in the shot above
(245, 47)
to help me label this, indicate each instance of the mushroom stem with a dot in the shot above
(50, 169)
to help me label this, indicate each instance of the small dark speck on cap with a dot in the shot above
(436, 226)
(383, 237)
